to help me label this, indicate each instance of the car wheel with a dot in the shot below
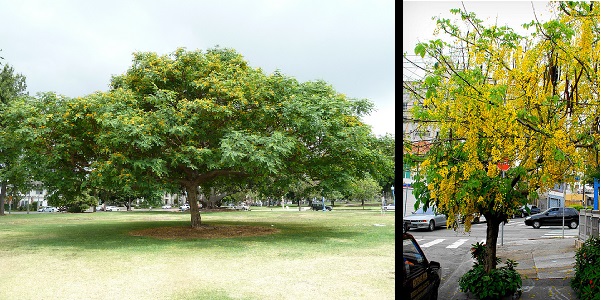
(573, 224)
(432, 226)
(536, 224)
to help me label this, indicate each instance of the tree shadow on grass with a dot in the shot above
(153, 234)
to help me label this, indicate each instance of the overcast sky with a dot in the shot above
(418, 25)
(73, 47)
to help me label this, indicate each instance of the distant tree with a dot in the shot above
(386, 147)
(12, 167)
(365, 188)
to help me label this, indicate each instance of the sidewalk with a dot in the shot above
(546, 266)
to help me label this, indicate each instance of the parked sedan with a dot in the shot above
(420, 277)
(112, 208)
(554, 216)
(166, 206)
(428, 219)
(49, 209)
(388, 207)
(533, 210)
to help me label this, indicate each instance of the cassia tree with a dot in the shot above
(495, 96)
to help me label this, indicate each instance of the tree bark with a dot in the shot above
(3, 186)
(492, 234)
(192, 197)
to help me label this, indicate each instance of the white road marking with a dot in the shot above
(457, 243)
(434, 242)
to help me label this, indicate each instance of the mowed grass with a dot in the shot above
(347, 253)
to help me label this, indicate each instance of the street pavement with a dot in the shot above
(546, 266)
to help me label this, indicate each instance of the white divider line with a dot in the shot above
(434, 242)
(457, 243)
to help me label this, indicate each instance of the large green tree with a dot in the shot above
(494, 96)
(194, 118)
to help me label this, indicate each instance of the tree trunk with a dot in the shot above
(2, 196)
(215, 197)
(492, 234)
(192, 191)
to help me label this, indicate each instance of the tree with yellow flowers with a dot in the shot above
(495, 96)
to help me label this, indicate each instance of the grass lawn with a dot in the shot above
(346, 253)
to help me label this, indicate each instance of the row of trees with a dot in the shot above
(192, 121)
(494, 96)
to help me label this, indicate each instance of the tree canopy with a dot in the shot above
(200, 121)
(13, 167)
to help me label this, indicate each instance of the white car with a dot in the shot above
(429, 219)
(184, 207)
(388, 207)
(242, 207)
(112, 208)
(48, 209)
(166, 206)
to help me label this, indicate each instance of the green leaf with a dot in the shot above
(420, 49)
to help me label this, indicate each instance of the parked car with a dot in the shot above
(166, 206)
(420, 277)
(184, 207)
(554, 216)
(242, 207)
(49, 209)
(319, 206)
(388, 207)
(533, 210)
(112, 208)
(428, 219)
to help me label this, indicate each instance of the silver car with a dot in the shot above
(429, 219)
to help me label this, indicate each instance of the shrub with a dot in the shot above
(586, 276)
(499, 282)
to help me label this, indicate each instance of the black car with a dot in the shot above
(320, 206)
(554, 216)
(420, 277)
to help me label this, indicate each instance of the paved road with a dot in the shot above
(452, 249)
